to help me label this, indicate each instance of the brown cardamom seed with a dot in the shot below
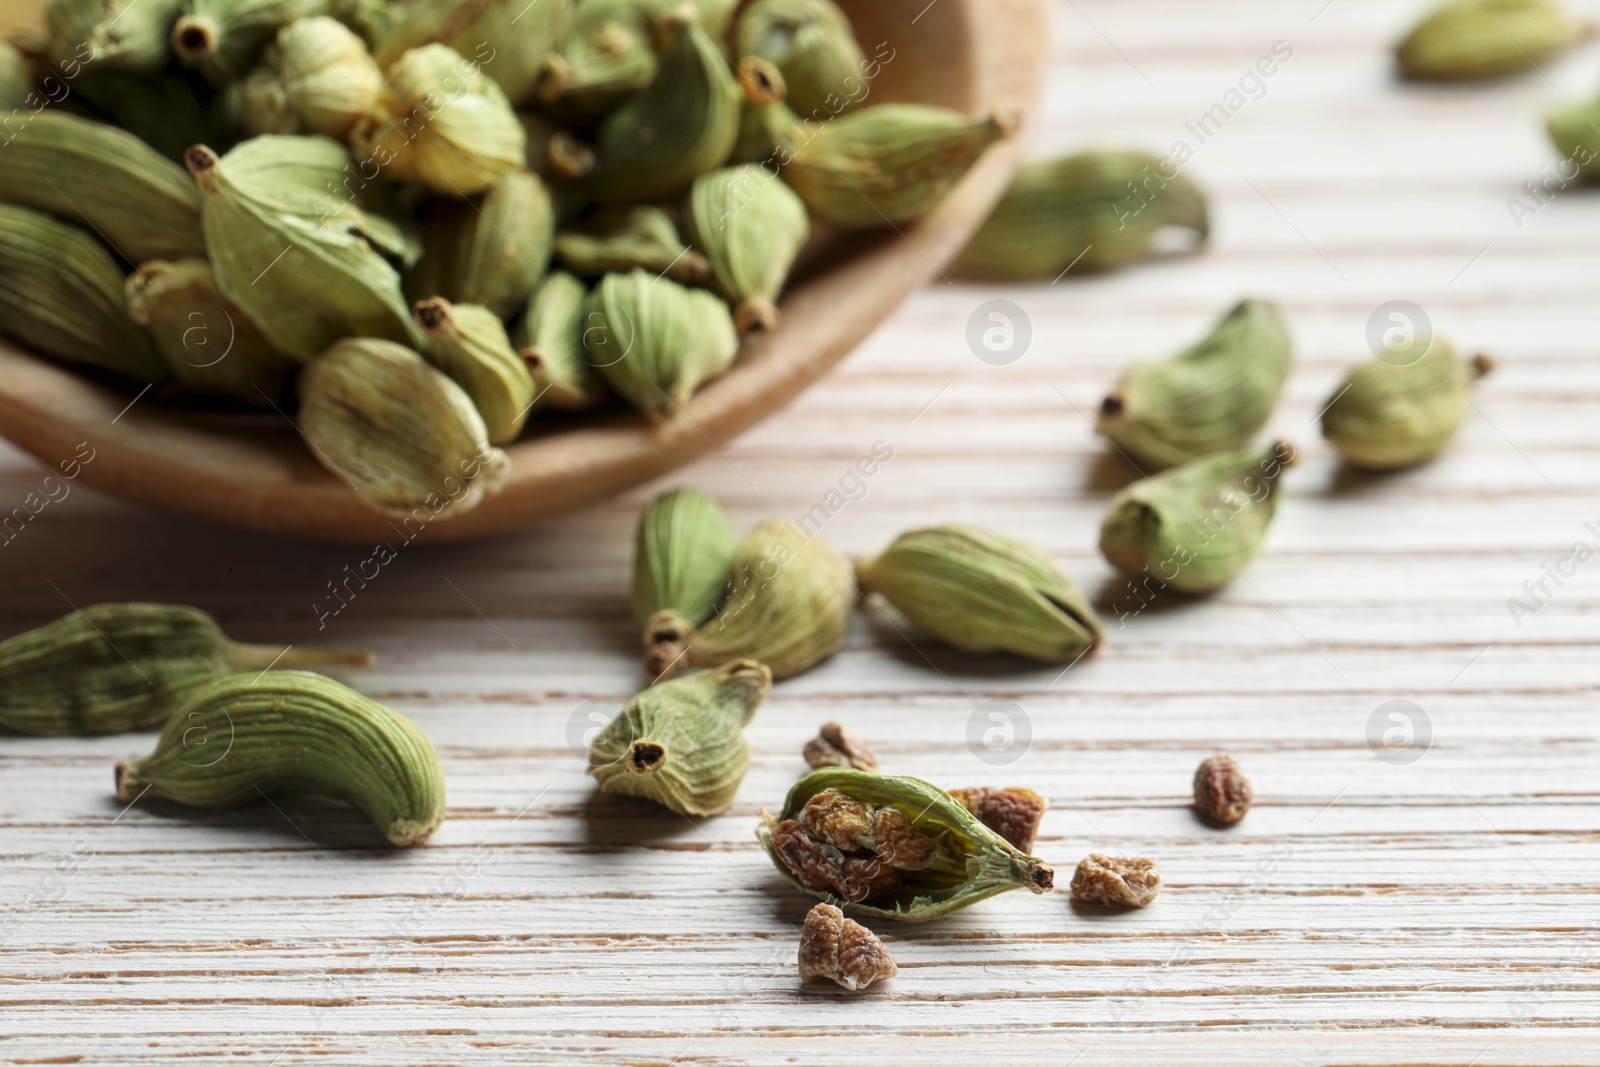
(1112, 880)
(1222, 793)
(1013, 813)
(836, 746)
(842, 950)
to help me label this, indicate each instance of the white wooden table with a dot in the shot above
(1368, 910)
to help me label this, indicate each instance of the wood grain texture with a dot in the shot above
(1437, 912)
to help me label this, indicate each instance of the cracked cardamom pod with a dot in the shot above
(143, 204)
(329, 78)
(982, 592)
(609, 50)
(225, 38)
(116, 667)
(1467, 39)
(812, 44)
(16, 77)
(681, 743)
(1195, 527)
(510, 38)
(1214, 396)
(291, 733)
(767, 127)
(683, 551)
(842, 950)
(123, 35)
(898, 848)
(1384, 415)
(1096, 211)
(751, 226)
(618, 240)
(550, 341)
(469, 343)
(401, 433)
(61, 293)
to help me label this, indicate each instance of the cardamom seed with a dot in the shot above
(1195, 527)
(503, 246)
(609, 52)
(115, 667)
(225, 38)
(1575, 131)
(329, 78)
(917, 855)
(1116, 881)
(550, 341)
(16, 77)
(1013, 812)
(1468, 39)
(751, 226)
(836, 746)
(1222, 793)
(518, 36)
(290, 733)
(469, 344)
(681, 743)
(812, 44)
(1385, 415)
(842, 950)
(122, 35)
(618, 241)
(1214, 396)
(683, 551)
(768, 129)
(1096, 211)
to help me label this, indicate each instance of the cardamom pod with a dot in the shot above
(609, 51)
(260, 104)
(1214, 396)
(550, 341)
(115, 667)
(61, 293)
(619, 240)
(143, 205)
(404, 435)
(1575, 131)
(123, 35)
(1385, 416)
(16, 77)
(510, 38)
(654, 342)
(169, 109)
(329, 78)
(751, 226)
(887, 163)
(494, 252)
(469, 343)
(681, 743)
(812, 44)
(1467, 39)
(553, 151)
(982, 592)
(768, 129)
(289, 733)
(897, 848)
(1096, 211)
(683, 551)
(209, 345)
(1195, 527)
(225, 38)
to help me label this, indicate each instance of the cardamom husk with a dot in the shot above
(225, 38)
(123, 35)
(1575, 131)
(1096, 211)
(16, 77)
(681, 743)
(1384, 416)
(751, 226)
(683, 551)
(1195, 527)
(767, 127)
(329, 78)
(115, 667)
(609, 51)
(511, 39)
(550, 340)
(501, 246)
(1214, 396)
(982, 592)
(1468, 39)
(618, 240)
(289, 733)
(898, 848)
(812, 44)
(469, 343)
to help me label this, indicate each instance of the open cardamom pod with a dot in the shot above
(1096, 211)
(122, 35)
(619, 240)
(898, 848)
(469, 343)
(550, 341)
(225, 38)
(812, 44)
(982, 592)
(512, 39)
(1214, 396)
(681, 743)
(683, 551)
(288, 733)
(768, 128)
(1389, 415)
(751, 226)
(609, 51)
(1195, 527)
(115, 667)
(887, 163)
(329, 79)
(1468, 39)
(16, 77)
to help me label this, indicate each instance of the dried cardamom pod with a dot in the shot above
(143, 205)
(1115, 881)
(893, 872)
(554, 152)
(225, 38)
(210, 346)
(768, 128)
(1466, 39)
(496, 252)
(16, 77)
(1575, 131)
(404, 435)
(681, 743)
(683, 551)
(1096, 211)
(469, 343)
(681, 125)
(287, 733)
(812, 44)
(124, 35)
(168, 109)
(329, 78)
(550, 341)
(61, 293)
(1389, 415)
(1013, 812)
(1214, 396)
(1195, 527)
(751, 226)
(618, 240)
(510, 38)
(836, 746)
(260, 103)
(982, 592)
(115, 667)
(842, 950)
(609, 50)
(654, 342)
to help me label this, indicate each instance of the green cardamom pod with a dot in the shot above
(887, 163)
(225, 38)
(812, 44)
(1214, 396)
(683, 551)
(1467, 39)
(1097, 211)
(768, 129)
(61, 293)
(751, 226)
(1195, 527)
(143, 205)
(511, 39)
(124, 35)
(329, 78)
(618, 240)
(553, 151)
(492, 250)
(982, 592)
(16, 77)
(291, 733)
(403, 435)
(550, 341)
(895, 848)
(609, 52)
(116, 667)
(654, 342)
(1389, 415)
(208, 343)
(1575, 131)
(681, 743)
(169, 109)
(469, 343)
(260, 103)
